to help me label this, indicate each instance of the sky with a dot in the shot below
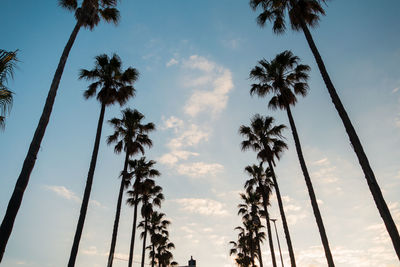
(194, 59)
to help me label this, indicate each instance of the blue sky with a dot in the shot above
(194, 58)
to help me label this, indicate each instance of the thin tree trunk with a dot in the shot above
(30, 159)
(283, 216)
(310, 188)
(259, 251)
(88, 188)
(118, 212)
(132, 247)
(271, 244)
(357, 146)
(152, 257)
(144, 242)
(252, 250)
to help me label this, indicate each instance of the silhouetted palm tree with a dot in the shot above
(7, 65)
(142, 170)
(115, 86)
(249, 209)
(151, 195)
(260, 181)
(302, 15)
(241, 248)
(158, 232)
(284, 77)
(88, 15)
(163, 252)
(266, 139)
(131, 136)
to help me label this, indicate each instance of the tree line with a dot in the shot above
(110, 85)
(283, 79)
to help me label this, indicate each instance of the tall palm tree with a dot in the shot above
(249, 209)
(87, 15)
(241, 248)
(158, 231)
(262, 181)
(142, 171)
(284, 77)
(163, 252)
(266, 139)
(7, 65)
(151, 195)
(115, 86)
(302, 15)
(131, 136)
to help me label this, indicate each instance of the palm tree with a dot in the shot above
(142, 171)
(163, 254)
(158, 232)
(115, 86)
(7, 65)
(302, 15)
(131, 136)
(241, 248)
(261, 180)
(151, 195)
(250, 211)
(284, 78)
(88, 15)
(266, 139)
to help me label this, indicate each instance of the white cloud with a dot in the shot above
(172, 123)
(395, 90)
(189, 137)
(174, 156)
(63, 192)
(214, 100)
(294, 212)
(196, 62)
(92, 250)
(172, 62)
(199, 169)
(202, 206)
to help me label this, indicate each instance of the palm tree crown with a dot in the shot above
(275, 12)
(283, 76)
(115, 85)
(91, 12)
(263, 137)
(7, 65)
(130, 134)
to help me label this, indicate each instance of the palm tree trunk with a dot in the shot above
(283, 216)
(271, 244)
(252, 250)
(152, 256)
(88, 188)
(310, 188)
(132, 247)
(118, 212)
(144, 242)
(30, 159)
(357, 146)
(259, 251)
(279, 244)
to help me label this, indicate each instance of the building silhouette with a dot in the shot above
(192, 262)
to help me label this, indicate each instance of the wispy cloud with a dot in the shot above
(210, 84)
(172, 62)
(199, 169)
(65, 193)
(202, 206)
(218, 83)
